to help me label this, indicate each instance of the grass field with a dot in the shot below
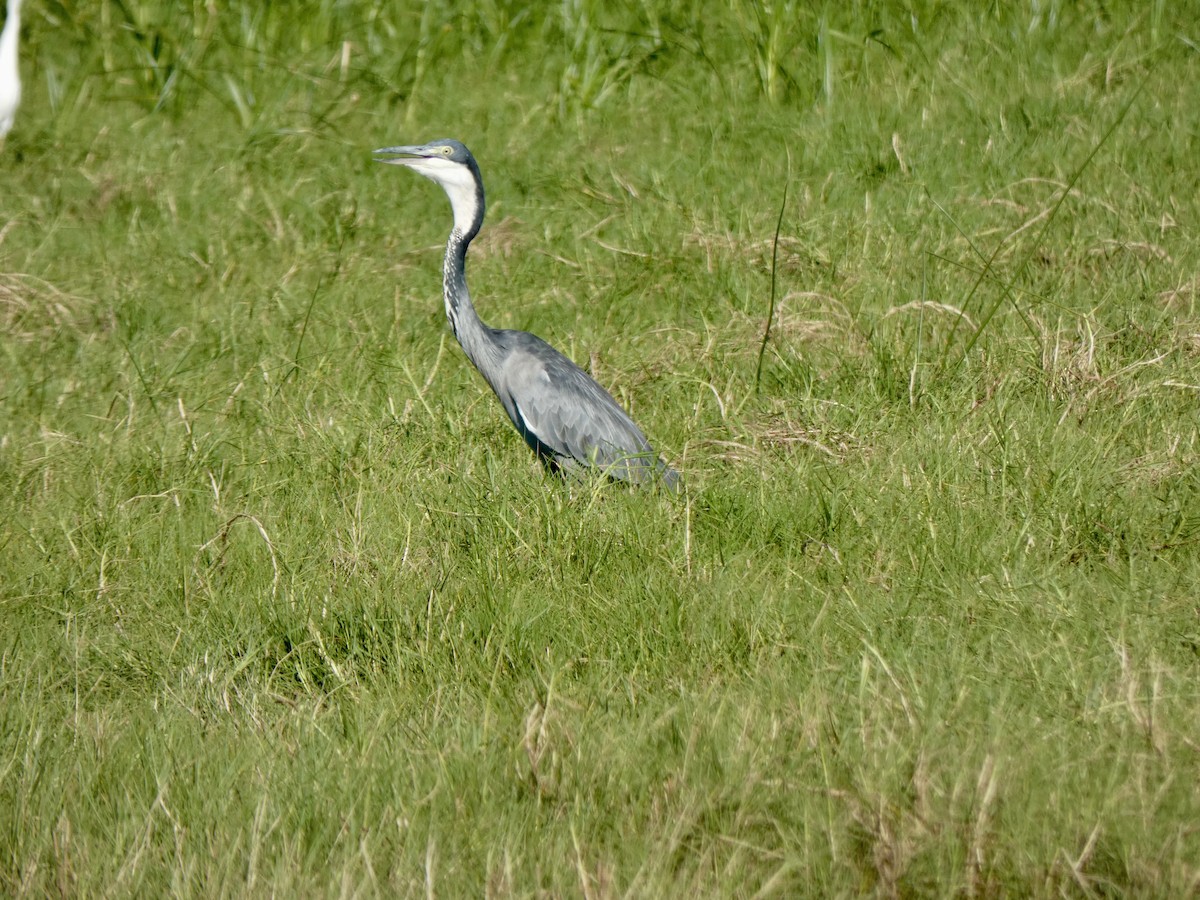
(288, 609)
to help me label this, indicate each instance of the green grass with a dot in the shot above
(289, 609)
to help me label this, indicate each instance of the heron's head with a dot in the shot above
(452, 166)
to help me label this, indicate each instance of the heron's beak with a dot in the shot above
(400, 156)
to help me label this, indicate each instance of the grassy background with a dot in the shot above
(288, 608)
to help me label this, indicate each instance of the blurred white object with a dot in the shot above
(10, 76)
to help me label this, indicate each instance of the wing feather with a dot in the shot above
(564, 414)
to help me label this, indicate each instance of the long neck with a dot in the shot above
(474, 336)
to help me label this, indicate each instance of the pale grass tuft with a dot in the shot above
(222, 538)
(545, 741)
(1141, 698)
(1182, 297)
(794, 253)
(32, 309)
(1058, 186)
(1078, 866)
(1141, 249)
(896, 149)
(595, 883)
(922, 305)
(812, 316)
(986, 789)
(779, 431)
(1068, 357)
(1042, 205)
(801, 318)
(1173, 459)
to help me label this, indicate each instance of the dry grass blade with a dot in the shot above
(32, 309)
(921, 305)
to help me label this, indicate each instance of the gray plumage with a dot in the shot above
(563, 414)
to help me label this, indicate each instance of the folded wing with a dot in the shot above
(567, 418)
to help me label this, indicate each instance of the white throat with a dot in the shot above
(458, 183)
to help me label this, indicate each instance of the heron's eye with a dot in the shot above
(446, 151)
